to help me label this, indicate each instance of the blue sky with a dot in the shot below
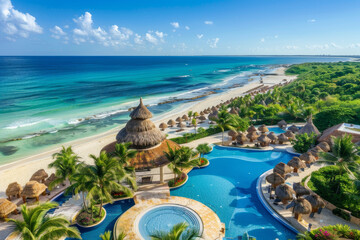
(174, 27)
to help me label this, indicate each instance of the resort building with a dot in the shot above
(340, 130)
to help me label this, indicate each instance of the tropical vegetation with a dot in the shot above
(179, 231)
(202, 149)
(303, 142)
(330, 232)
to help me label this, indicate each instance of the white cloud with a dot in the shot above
(120, 34)
(291, 47)
(262, 40)
(276, 36)
(150, 38)
(175, 24)
(58, 33)
(335, 45)
(13, 22)
(213, 42)
(187, 27)
(138, 39)
(199, 36)
(312, 20)
(208, 22)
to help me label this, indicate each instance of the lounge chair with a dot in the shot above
(145, 180)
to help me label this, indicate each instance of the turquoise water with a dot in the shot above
(47, 101)
(276, 130)
(228, 187)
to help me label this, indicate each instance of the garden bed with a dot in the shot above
(178, 183)
(204, 162)
(84, 218)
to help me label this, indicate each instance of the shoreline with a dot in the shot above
(21, 170)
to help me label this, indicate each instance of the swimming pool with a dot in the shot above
(228, 187)
(276, 130)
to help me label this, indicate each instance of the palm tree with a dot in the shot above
(172, 156)
(194, 123)
(186, 158)
(37, 226)
(107, 236)
(224, 121)
(123, 153)
(65, 164)
(178, 232)
(79, 182)
(203, 149)
(190, 114)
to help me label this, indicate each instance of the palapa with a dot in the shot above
(300, 190)
(185, 117)
(308, 158)
(181, 125)
(251, 129)
(202, 113)
(233, 111)
(162, 126)
(50, 179)
(316, 202)
(289, 134)
(33, 189)
(263, 128)
(264, 140)
(309, 127)
(275, 179)
(282, 169)
(40, 176)
(324, 146)
(14, 189)
(296, 163)
(202, 118)
(284, 192)
(272, 136)
(213, 108)
(232, 134)
(302, 206)
(241, 138)
(282, 124)
(171, 123)
(6, 207)
(282, 138)
(213, 115)
(178, 119)
(252, 136)
(293, 128)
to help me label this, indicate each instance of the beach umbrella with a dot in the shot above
(232, 134)
(162, 126)
(263, 128)
(284, 192)
(241, 138)
(275, 179)
(213, 115)
(185, 117)
(282, 138)
(40, 176)
(6, 207)
(208, 109)
(171, 123)
(301, 206)
(206, 112)
(202, 118)
(178, 119)
(181, 125)
(289, 134)
(296, 163)
(233, 111)
(202, 113)
(33, 189)
(272, 136)
(282, 169)
(300, 190)
(309, 127)
(251, 129)
(213, 108)
(324, 146)
(50, 179)
(14, 189)
(293, 128)
(282, 124)
(264, 140)
(316, 202)
(252, 136)
(316, 151)
(308, 158)
(196, 114)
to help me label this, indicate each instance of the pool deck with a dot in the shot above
(146, 199)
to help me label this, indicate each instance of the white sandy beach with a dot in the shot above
(21, 170)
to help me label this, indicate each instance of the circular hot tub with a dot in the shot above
(163, 217)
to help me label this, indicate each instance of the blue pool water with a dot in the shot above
(276, 130)
(165, 217)
(228, 187)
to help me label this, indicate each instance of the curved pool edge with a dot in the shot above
(268, 208)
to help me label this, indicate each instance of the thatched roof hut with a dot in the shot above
(282, 138)
(40, 176)
(140, 130)
(316, 151)
(178, 119)
(282, 169)
(264, 140)
(185, 117)
(162, 126)
(181, 125)
(213, 108)
(272, 136)
(315, 201)
(296, 163)
(289, 134)
(202, 118)
(302, 206)
(202, 113)
(213, 115)
(263, 128)
(171, 123)
(232, 134)
(233, 111)
(50, 179)
(282, 124)
(308, 158)
(14, 189)
(252, 136)
(300, 190)
(33, 189)
(324, 146)
(241, 138)
(6, 207)
(251, 129)
(309, 127)
(275, 179)
(284, 192)
(293, 128)
(340, 130)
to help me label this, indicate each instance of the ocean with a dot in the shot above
(48, 101)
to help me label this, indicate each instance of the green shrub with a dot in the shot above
(303, 142)
(192, 136)
(330, 232)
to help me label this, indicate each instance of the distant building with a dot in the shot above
(340, 130)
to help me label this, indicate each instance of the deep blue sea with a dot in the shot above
(47, 101)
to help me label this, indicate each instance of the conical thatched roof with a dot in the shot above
(233, 111)
(302, 206)
(140, 131)
(324, 146)
(251, 129)
(272, 136)
(300, 190)
(263, 128)
(213, 115)
(241, 137)
(202, 113)
(296, 162)
(202, 118)
(315, 201)
(307, 157)
(309, 127)
(163, 125)
(171, 122)
(181, 125)
(40, 176)
(252, 136)
(289, 134)
(232, 133)
(185, 117)
(6, 207)
(282, 169)
(178, 119)
(14, 189)
(275, 179)
(284, 192)
(33, 189)
(263, 138)
(293, 128)
(283, 138)
(282, 123)
(50, 179)
(213, 108)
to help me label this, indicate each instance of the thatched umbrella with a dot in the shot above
(284, 192)
(289, 134)
(316, 202)
(171, 123)
(296, 163)
(232, 134)
(272, 136)
(202, 113)
(241, 138)
(282, 124)
(6, 207)
(264, 140)
(282, 138)
(185, 117)
(233, 111)
(309, 128)
(275, 179)
(263, 128)
(293, 128)
(40, 176)
(213, 115)
(315, 151)
(206, 111)
(202, 118)
(252, 136)
(50, 179)
(324, 146)
(282, 169)
(33, 189)
(251, 129)
(14, 189)
(178, 119)
(308, 158)
(300, 190)
(301, 206)
(213, 108)
(181, 125)
(162, 126)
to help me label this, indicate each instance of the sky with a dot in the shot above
(179, 27)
